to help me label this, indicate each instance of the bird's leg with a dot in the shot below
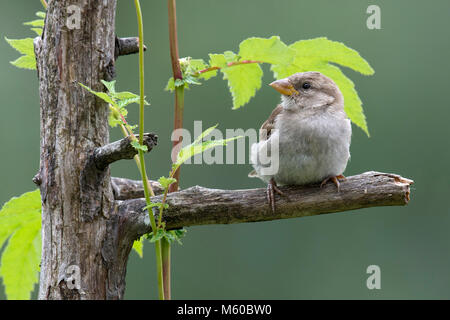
(271, 189)
(335, 180)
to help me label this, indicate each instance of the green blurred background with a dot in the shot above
(406, 104)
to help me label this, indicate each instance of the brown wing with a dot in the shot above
(269, 124)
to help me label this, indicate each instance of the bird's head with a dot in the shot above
(308, 90)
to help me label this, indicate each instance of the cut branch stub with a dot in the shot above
(119, 150)
(200, 206)
(126, 46)
(125, 189)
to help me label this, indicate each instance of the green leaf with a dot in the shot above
(194, 66)
(102, 95)
(159, 235)
(178, 234)
(166, 182)
(38, 31)
(217, 60)
(35, 23)
(171, 235)
(271, 50)
(138, 146)
(26, 48)
(20, 221)
(41, 14)
(243, 80)
(230, 56)
(125, 95)
(158, 205)
(179, 83)
(111, 86)
(25, 62)
(125, 102)
(322, 49)
(138, 247)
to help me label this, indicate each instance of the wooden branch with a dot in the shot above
(125, 189)
(200, 206)
(126, 46)
(119, 150)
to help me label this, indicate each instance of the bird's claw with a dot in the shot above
(335, 180)
(272, 188)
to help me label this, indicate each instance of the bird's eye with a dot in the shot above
(306, 85)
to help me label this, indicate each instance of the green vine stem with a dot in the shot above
(159, 266)
(44, 4)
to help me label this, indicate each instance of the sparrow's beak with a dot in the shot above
(283, 86)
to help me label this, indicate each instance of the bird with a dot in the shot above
(308, 135)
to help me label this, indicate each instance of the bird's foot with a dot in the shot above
(335, 180)
(272, 188)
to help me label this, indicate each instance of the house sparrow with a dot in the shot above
(309, 130)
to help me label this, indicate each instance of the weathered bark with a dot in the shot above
(77, 198)
(199, 206)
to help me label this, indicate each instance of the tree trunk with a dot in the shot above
(83, 253)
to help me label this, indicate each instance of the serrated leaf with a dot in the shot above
(25, 47)
(190, 80)
(102, 95)
(159, 235)
(170, 85)
(271, 50)
(35, 23)
(126, 102)
(217, 60)
(243, 81)
(322, 49)
(38, 31)
(178, 234)
(113, 121)
(158, 205)
(195, 65)
(20, 221)
(138, 146)
(230, 56)
(25, 62)
(41, 14)
(179, 83)
(166, 182)
(125, 95)
(110, 85)
(138, 247)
